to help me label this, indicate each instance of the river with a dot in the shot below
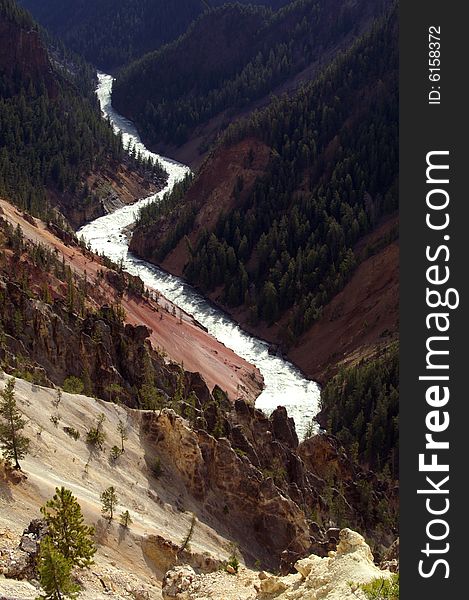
(284, 384)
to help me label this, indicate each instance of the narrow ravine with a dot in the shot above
(284, 384)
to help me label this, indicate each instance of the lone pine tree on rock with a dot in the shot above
(109, 501)
(55, 573)
(122, 431)
(13, 443)
(67, 531)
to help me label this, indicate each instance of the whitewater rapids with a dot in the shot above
(284, 384)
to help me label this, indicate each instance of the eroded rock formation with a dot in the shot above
(336, 577)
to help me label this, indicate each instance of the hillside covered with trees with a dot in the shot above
(311, 176)
(110, 33)
(52, 135)
(229, 59)
(360, 405)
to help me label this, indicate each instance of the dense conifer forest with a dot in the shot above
(360, 406)
(109, 35)
(51, 131)
(229, 58)
(288, 245)
(289, 227)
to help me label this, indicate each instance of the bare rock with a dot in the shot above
(283, 427)
(260, 515)
(177, 582)
(273, 585)
(17, 590)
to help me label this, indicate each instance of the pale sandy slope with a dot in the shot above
(56, 459)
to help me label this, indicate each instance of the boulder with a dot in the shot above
(176, 583)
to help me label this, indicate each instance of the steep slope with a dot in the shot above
(337, 577)
(362, 320)
(55, 149)
(110, 33)
(289, 209)
(66, 312)
(231, 59)
(132, 562)
(68, 319)
(127, 560)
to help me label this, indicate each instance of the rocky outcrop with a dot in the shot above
(336, 577)
(49, 334)
(97, 349)
(163, 555)
(318, 475)
(111, 187)
(260, 517)
(20, 562)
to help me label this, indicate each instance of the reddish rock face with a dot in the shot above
(22, 52)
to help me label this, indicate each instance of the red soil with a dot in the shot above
(178, 335)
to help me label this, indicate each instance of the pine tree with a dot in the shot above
(109, 501)
(122, 430)
(13, 443)
(55, 573)
(188, 536)
(67, 530)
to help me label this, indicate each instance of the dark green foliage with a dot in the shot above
(73, 433)
(111, 35)
(360, 406)
(109, 502)
(227, 59)
(11, 11)
(382, 589)
(288, 247)
(55, 573)
(95, 436)
(13, 443)
(170, 204)
(115, 453)
(66, 528)
(73, 385)
(52, 134)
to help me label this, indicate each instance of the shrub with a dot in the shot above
(73, 433)
(115, 453)
(233, 562)
(126, 519)
(382, 589)
(73, 385)
(96, 436)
